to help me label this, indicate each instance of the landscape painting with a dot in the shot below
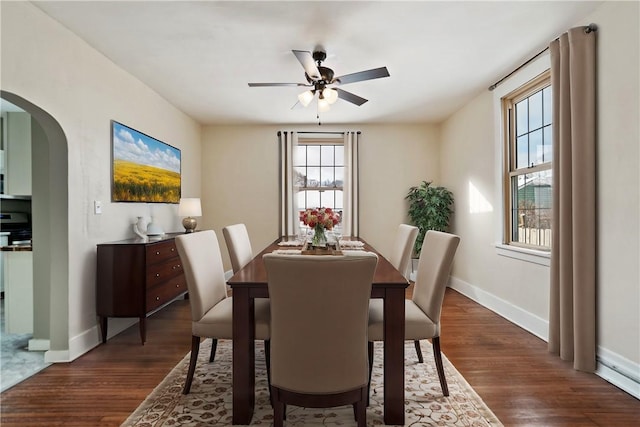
(144, 169)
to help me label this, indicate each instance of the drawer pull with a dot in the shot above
(157, 274)
(174, 267)
(157, 252)
(177, 286)
(157, 298)
(173, 249)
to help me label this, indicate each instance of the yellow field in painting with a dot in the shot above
(133, 182)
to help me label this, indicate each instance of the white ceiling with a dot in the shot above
(200, 55)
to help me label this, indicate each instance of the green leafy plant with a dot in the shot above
(429, 209)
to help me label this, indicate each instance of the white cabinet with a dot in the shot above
(18, 292)
(17, 153)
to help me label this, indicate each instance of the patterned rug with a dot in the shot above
(209, 402)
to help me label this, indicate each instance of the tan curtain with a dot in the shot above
(572, 317)
(350, 225)
(288, 196)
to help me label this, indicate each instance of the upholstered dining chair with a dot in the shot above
(403, 248)
(211, 308)
(239, 245)
(319, 312)
(422, 312)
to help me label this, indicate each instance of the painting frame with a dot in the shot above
(143, 168)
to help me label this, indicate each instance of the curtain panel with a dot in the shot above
(289, 220)
(572, 316)
(350, 223)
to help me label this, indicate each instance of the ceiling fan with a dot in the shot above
(323, 82)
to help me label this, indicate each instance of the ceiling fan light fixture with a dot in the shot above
(306, 97)
(323, 105)
(331, 95)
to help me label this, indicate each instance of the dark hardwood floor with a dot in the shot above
(508, 367)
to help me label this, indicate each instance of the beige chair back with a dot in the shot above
(239, 245)
(202, 264)
(403, 248)
(434, 267)
(319, 316)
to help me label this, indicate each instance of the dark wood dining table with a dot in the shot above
(250, 282)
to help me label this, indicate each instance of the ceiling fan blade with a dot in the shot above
(306, 59)
(276, 84)
(374, 73)
(350, 97)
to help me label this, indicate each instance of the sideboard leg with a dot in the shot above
(103, 328)
(143, 332)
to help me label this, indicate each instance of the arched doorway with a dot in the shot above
(50, 230)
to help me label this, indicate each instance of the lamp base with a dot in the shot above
(189, 224)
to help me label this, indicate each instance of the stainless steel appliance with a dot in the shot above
(18, 226)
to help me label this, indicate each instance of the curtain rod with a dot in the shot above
(589, 28)
(327, 133)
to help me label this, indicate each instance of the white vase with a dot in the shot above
(140, 227)
(154, 229)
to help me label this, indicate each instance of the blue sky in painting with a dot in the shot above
(133, 146)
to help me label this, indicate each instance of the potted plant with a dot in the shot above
(429, 209)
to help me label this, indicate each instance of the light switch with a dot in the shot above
(97, 207)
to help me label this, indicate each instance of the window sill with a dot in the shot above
(523, 254)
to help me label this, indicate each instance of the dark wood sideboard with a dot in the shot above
(136, 277)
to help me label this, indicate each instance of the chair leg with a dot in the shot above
(267, 358)
(361, 408)
(278, 410)
(418, 351)
(195, 347)
(438, 356)
(370, 353)
(214, 346)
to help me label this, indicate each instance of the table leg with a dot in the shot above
(243, 356)
(394, 356)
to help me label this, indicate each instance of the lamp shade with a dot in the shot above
(306, 97)
(190, 206)
(323, 105)
(331, 95)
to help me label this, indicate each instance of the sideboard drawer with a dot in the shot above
(158, 273)
(164, 293)
(161, 251)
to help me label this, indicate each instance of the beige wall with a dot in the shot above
(234, 170)
(52, 68)
(469, 161)
(240, 178)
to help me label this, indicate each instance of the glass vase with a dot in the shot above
(319, 239)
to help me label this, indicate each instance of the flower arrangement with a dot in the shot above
(319, 219)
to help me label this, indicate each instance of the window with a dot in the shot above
(528, 155)
(319, 173)
(318, 170)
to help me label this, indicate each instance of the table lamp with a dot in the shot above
(189, 207)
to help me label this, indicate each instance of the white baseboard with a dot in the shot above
(38, 344)
(56, 356)
(528, 321)
(91, 338)
(611, 367)
(87, 340)
(619, 371)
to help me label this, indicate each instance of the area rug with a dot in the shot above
(209, 402)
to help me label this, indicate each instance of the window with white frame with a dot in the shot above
(319, 173)
(527, 166)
